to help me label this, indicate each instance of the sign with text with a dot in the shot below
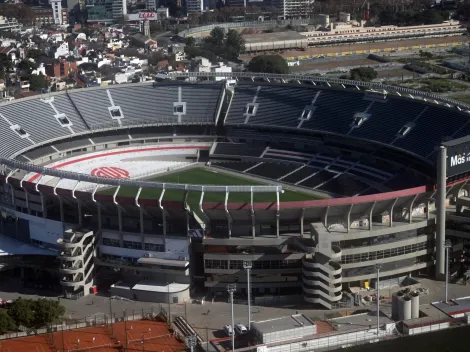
(458, 159)
(147, 15)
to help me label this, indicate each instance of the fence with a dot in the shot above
(96, 320)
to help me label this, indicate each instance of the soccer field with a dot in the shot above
(205, 176)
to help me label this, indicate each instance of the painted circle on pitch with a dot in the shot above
(110, 172)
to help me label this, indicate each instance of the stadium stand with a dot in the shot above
(39, 114)
(72, 144)
(318, 178)
(39, 152)
(299, 175)
(238, 149)
(236, 166)
(271, 170)
(317, 137)
(343, 184)
(165, 103)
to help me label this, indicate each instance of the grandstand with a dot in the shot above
(314, 180)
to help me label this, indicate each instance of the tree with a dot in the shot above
(105, 69)
(425, 54)
(21, 311)
(235, 44)
(268, 64)
(47, 312)
(26, 67)
(6, 322)
(5, 65)
(35, 314)
(38, 82)
(217, 36)
(35, 53)
(190, 41)
(363, 74)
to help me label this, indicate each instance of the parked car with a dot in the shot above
(228, 330)
(240, 329)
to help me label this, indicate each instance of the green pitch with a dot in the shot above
(206, 176)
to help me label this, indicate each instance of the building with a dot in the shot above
(143, 41)
(8, 23)
(151, 5)
(201, 64)
(292, 8)
(60, 69)
(45, 16)
(274, 41)
(353, 31)
(194, 6)
(57, 11)
(105, 11)
(313, 250)
(299, 333)
(60, 50)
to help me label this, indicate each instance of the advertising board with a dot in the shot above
(458, 159)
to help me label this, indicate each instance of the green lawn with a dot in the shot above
(203, 176)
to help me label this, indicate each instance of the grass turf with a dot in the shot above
(203, 176)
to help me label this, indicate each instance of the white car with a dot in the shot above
(228, 330)
(240, 329)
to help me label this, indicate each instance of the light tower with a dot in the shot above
(56, 11)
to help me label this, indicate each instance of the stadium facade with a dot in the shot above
(367, 151)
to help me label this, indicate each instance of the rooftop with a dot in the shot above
(283, 323)
(364, 321)
(454, 306)
(9, 246)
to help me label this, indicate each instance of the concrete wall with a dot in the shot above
(340, 340)
(422, 329)
(150, 296)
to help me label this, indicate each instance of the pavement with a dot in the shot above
(209, 319)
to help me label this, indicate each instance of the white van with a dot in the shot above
(240, 329)
(228, 330)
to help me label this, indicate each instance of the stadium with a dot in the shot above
(161, 191)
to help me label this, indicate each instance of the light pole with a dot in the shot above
(231, 288)
(111, 315)
(447, 245)
(247, 265)
(169, 305)
(378, 266)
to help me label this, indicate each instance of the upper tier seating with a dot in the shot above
(348, 112)
(165, 103)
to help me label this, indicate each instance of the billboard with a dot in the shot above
(458, 159)
(147, 15)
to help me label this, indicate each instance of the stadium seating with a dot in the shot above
(154, 104)
(334, 111)
(344, 185)
(61, 116)
(235, 166)
(271, 170)
(299, 175)
(238, 149)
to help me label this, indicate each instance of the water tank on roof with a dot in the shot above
(414, 305)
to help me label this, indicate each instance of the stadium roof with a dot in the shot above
(9, 246)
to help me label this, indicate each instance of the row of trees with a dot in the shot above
(30, 313)
(219, 44)
(226, 14)
(411, 18)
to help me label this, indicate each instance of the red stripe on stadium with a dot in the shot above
(71, 162)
